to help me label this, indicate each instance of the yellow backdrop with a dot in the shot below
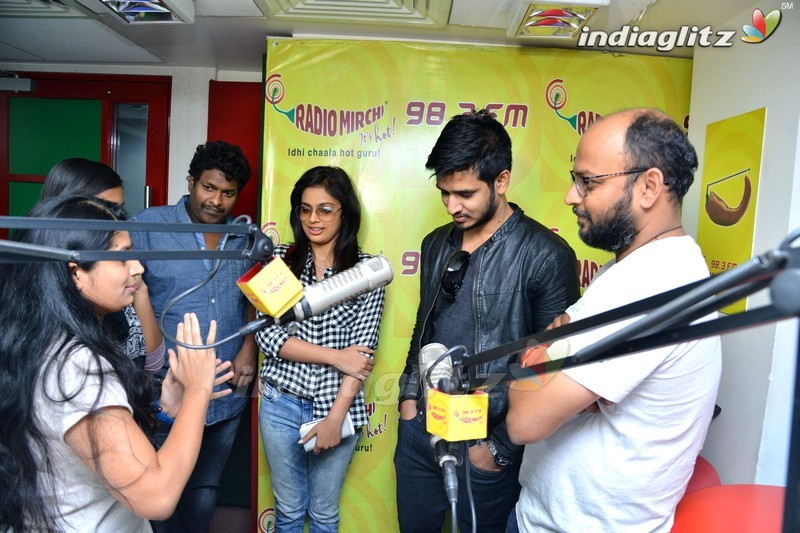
(375, 109)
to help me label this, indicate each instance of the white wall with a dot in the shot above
(749, 441)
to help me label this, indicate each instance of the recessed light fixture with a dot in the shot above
(158, 11)
(563, 19)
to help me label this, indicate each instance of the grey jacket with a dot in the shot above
(525, 276)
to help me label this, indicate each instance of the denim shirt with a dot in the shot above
(220, 299)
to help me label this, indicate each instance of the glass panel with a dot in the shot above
(130, 152)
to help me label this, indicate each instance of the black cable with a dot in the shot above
(470, 497)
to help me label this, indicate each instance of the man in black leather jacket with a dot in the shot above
(490, 277)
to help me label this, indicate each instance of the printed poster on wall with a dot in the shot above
(375, 109)
(731, 169)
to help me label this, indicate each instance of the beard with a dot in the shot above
(485, 216)
(617, 229)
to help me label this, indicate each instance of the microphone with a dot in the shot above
(443, 370)
(448, 461)
(317, 298)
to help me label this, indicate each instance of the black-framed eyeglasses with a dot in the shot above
(325, 213)
(582, 181)
(454, 272)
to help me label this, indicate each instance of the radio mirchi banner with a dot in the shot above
(731, 173)
(375, 109)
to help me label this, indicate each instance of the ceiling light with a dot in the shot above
(563, 19)
(158, 11)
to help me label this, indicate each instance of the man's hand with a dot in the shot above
(244, 368)
(481, 457)
(408, 409)
(560, 320)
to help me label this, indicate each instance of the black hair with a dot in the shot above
(337, 183)
(474, 140)
(225, 157)
(653, 140)
(80, 176)
(56, 322)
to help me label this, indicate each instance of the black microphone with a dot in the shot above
(362, 278)
(448, 461)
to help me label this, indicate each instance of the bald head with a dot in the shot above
(648, 138)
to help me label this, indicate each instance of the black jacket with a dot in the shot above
(525, 276)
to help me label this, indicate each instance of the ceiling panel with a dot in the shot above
(73, 40)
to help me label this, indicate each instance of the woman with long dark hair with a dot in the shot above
(76, 411)
(312, 371)
(84, 177)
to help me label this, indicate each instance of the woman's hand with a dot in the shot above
(328, 433)
(172, 391)
(194, 369)
(353, 361)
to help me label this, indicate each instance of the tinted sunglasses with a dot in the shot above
(454, 273)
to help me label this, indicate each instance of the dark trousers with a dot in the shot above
(199, 498)
(421, 500)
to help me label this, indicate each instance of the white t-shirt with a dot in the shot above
(626, 467)
(85, 504)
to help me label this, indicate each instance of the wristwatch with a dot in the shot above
(499, 459)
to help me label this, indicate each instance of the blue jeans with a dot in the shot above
(199, 498)
(303, 483)
(421, 500)
(512, 526)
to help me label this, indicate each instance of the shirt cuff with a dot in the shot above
(154, 360)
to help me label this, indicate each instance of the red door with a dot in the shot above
(119, 120)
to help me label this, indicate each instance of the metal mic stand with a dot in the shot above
(259, 246)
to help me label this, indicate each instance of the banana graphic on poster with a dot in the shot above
(721, 213)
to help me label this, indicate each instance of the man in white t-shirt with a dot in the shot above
(610, 446)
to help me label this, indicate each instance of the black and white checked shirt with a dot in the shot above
(354, 322)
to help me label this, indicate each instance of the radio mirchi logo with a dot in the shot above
(762, 26)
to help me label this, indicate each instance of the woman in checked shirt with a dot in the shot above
(313, 369)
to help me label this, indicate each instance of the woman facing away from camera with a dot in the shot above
(76, 411)
(137, 322)
(313, 369)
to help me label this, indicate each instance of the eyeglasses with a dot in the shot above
(324, 212)
(582, 181)
(454, 273)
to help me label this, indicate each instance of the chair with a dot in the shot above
(704, 475)
(731, 508)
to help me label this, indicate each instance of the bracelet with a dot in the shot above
(161, 416)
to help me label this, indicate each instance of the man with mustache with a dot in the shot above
(217, 174)
(491, 276)
(623, 463)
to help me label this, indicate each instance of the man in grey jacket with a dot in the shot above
(491, 276)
